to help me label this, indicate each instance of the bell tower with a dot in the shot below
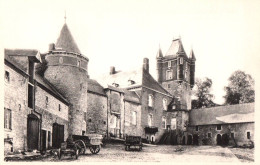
(176, 72)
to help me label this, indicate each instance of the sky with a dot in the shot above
(225, 35)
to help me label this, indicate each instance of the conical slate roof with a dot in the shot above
(159, 53)
(175, 48)
(66, 41)
(192, 56)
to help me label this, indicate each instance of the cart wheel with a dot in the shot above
(94, 149)
(81, 146)
(77, 154)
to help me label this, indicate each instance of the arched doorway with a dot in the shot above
(189, 141)
(225, 139)
(33, 132)
(195, 139)
(219, 139)
(183, 140)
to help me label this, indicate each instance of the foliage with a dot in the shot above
(202, 93)
(240, 88)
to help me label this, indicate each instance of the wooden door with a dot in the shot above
(44, 140)
(32, 132)
(219, 139)
(57, 135)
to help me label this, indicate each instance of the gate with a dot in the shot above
(57, 135)
(32, 132)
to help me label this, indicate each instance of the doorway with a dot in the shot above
(225, 139)
(183, 140)
(57, 135)
(189, 141)
(32, 132)
(43, 143)
(218, 139)
(195, 139)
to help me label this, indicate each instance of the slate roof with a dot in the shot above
(66, 41)
(175, 48)
(19, 57)
(95, 87)
(140, 77)
(239, 113)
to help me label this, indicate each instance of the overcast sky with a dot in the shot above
(225, 35)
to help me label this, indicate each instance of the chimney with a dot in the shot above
(51, 47)
(112, 70)
(146, 64)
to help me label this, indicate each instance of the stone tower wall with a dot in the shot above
(70, 78)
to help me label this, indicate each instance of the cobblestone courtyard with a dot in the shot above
(164, 153)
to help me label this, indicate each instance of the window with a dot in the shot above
(218, 127)
(173, 123)
(232, 135)
(46, 101)
(169, 64)
(78, 63)
(30, 95)
(150, 120)
(7, 77)
(197, 128)
(173, 106)
(134, 115)
(85, 116)
(209, 135)
(150, 100)
(163, 122)
(60, 60)
(59, 107)
(165, 104)
(181, 60)
(248, 135)
(169, 86)
(168, 75)
(8, 118)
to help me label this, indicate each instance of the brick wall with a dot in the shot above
(15, 99)
(96, 114)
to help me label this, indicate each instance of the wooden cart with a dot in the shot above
(135, 141)
(91, 141)
(67, 148)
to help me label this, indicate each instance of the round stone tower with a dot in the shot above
(67, 70)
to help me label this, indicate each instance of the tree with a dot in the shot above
(240, 88)
(202, 94)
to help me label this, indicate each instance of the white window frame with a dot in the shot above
(164, 104)
(165, 124)
(134, 118)
(181, 60)
(150, 100)
(168, 75)
(169, 63)
(8, 119)
(175, 125)
(150, 116)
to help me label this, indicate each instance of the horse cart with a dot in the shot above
(78, 144)
(135, 141)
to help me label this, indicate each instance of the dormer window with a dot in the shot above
(115, 85)
(181, 61)
(150, 100)
(173, 106)
(131, 82)
(169, 64)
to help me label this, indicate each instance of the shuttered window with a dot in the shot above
(7, 119)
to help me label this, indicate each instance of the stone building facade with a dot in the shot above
(57, 98)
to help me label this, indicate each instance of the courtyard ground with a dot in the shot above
(163, 153)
